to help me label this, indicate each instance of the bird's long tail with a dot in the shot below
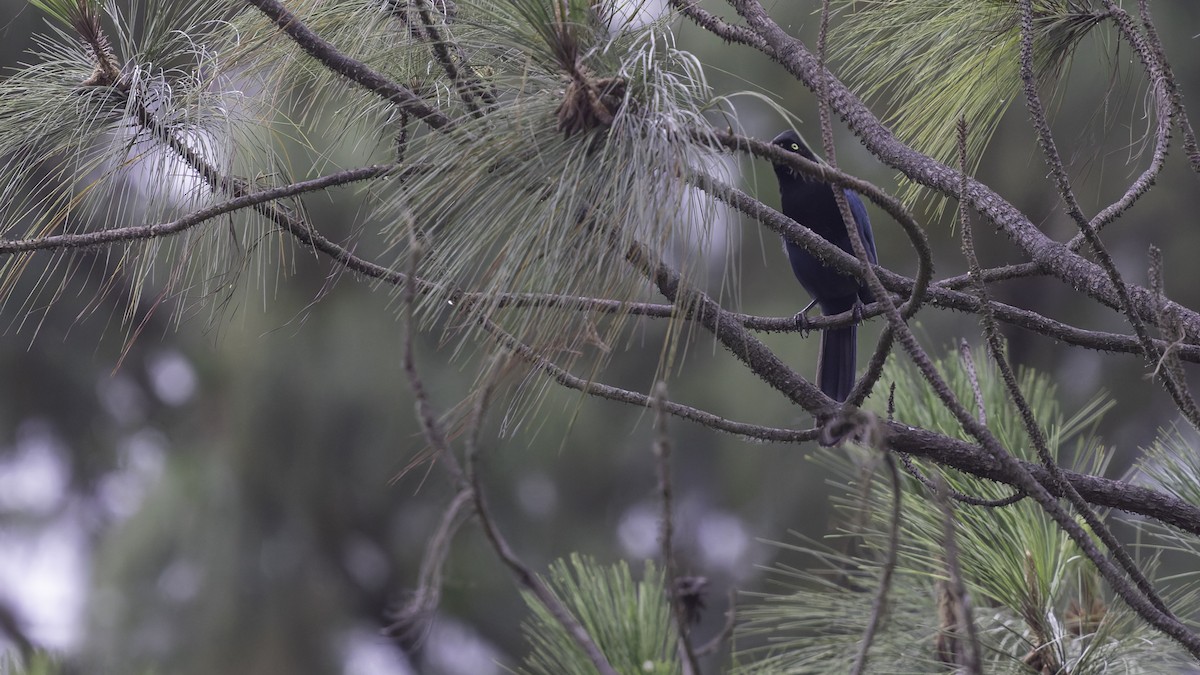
(835, 374)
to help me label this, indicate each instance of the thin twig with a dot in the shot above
(350, 68)
(88, 240)
(600, 390)
(965, 621)
(879, 604)
(662, 459)
(956, 495)
(874, 370)
(964, 354)
(709, 648)
(469, 87)
(993, 274)
(525, 577)
(428, 595)
(435, 435)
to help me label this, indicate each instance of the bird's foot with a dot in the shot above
(858, 310)
(800, 323)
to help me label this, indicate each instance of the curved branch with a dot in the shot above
(1160, 85)
(521, 572)
(1176, 388)
(352, 69)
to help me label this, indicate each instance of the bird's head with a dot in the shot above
(791, 141)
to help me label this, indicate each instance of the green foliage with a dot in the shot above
(62, 11)
(1173, 465)
(40, 663)
(932, 61)
(589, 125)
(79, 154)
(1036, 598)
(511, 203)
(630, 621)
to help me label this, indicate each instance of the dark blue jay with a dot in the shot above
(811, 203)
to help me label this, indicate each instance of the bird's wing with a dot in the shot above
(863, 222)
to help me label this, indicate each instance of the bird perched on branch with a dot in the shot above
(811, 203)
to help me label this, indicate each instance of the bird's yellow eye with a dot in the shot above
(795, 148)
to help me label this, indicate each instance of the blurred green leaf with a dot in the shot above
(929, 62)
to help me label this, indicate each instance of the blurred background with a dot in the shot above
(231, 495)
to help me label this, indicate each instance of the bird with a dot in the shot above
(811, 203)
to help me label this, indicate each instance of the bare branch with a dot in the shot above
(413, 615)
(468, 86)
(88, 240)
(964, 354)
(716, 25)
(662, 458)
(525, 577)
(599, 390)
(431, 427)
